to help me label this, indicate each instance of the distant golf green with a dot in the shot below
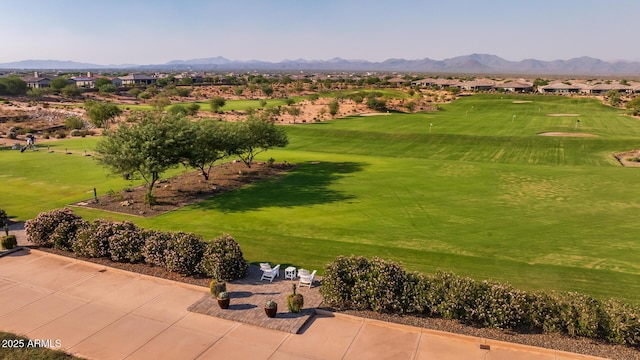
(471, 189)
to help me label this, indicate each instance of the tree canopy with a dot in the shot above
(210, 143)
(100, 113)
(12, 85)
(634, 105)
(216, 103)
(155, 143)
(254, 136)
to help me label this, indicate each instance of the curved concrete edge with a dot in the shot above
(11, 251)
(483, 341)
(130, 273)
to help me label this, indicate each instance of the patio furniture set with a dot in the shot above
(290, 273)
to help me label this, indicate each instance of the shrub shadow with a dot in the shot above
(308, 184)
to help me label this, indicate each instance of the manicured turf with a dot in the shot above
(477, 193)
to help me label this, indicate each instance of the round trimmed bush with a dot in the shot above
(223, 259)
(43, 231)
(8, 242)
(125, 245)
(93, 239)
(155, 243)
(184, 253)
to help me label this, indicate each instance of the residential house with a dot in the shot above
(36, 81)
(424, 82)
(134, 79)
(84, 82)
(515, 86)
(477, 85)
(604, 88)
(560, 88)
(398, 82)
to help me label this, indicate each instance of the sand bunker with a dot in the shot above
(628, 158)
(521, 102)
(375, 114)
(563, 114)
(552, 133)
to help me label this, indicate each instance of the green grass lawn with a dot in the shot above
(478, 193)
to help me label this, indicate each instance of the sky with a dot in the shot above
(114, 32)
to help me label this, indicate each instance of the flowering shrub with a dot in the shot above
(223, 259)
(383, 286)
(184, 253)
(42, 230)
(155, 243)
(126, 242)
(93, 239)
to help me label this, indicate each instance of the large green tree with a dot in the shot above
(634, 105)
(12, 85)
(154, 143)
(254, 136)
(59, 83)
(100, 113)
(216, 103)
(210, 143)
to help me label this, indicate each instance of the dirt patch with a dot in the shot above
(567, 134)
(626, 158)
(375, 114)
(185, 189)
(521, 101)
(563, 114)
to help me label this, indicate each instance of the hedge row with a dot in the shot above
(383, 286)
(179, 252)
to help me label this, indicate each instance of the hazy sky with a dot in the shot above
(154, 32)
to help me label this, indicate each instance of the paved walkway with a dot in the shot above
(104, 313)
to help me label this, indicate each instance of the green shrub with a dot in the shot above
(295, 301)
(8, 242)
(65, 233)
(155, 244)
(383, 286)
(42, 230)
(126, 242)
(93, 239)
(184, 253)
(223, 259)
(216, 287)
(73, 123)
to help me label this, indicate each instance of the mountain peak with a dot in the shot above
(473, 63)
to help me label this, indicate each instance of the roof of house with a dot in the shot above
(561, 86)
(515, 85)
(137, 77)
(31, 79)
(606, 87)
(477, 83)
(424, 81)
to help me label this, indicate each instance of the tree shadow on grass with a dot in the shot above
(308, 184)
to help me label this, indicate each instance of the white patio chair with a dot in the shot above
(269, 273)
(302, 272)
(307, 279)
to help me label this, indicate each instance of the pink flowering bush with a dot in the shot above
(223, 259)
(126, 242)
(56, 228)
(155, 243)
(184, 253)
(93, 240)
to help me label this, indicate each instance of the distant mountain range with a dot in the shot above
(471, 64)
